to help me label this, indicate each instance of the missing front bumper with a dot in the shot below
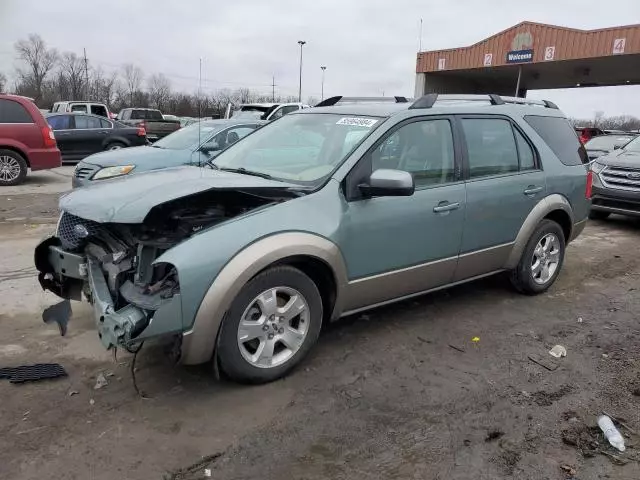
(68, 274)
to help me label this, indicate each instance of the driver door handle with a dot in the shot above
(446, 207)
(532, 190)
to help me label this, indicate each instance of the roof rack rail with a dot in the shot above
(428, 100)
(329, 102)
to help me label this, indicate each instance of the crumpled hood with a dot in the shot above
(144, 158)
(621, 158)
(129, 199)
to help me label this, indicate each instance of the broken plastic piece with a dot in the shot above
(59, 313)
(558, 351)
(611, 432)
(31, 373)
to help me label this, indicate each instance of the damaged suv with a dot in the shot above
(323, 213)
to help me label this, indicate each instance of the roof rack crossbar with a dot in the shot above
(428, 100)
(328, 102)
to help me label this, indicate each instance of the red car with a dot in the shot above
(26, 140)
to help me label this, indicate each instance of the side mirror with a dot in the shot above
(210, 147)
(388, 183)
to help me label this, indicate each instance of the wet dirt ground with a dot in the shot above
(399, 392)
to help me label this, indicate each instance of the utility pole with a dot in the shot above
(273, 89)
(86, 75)
(323, 68)
(301, 43)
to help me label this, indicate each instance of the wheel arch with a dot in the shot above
(314, 255)
(19, 151)
(554, 207)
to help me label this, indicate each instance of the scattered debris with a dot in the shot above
(620, 421)
(187, 472)
(423, 340)
(543, 362)
(460, 349)
(613, 309)
(475, 339)
(207, 472)
(72, 393)
(353, 394)
(92, 401)
(604, 355)
(101, 381)
(494, 434)
(466, 442)
(569, 470)
(32, 373)
(579, 319)
(59, 313)
(558, 351)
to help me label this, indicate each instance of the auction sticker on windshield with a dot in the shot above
(358, 122)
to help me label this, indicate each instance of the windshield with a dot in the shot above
(146, 115)
(607, 142)
(299, 148)
(633, 145)
(187, 138)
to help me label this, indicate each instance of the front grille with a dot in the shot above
(621, 178)
(84, 172)
(67, 233)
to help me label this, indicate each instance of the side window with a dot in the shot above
(99, 110)
(424, 149)
(84, 122)
(527, 157)
(13, 112)
(79, 108)
(277, 114)
(124, 115)
(59, 122)
(560, 137)
(491, 146)
(105, 124)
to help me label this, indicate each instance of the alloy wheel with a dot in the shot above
(9, 168)
(546, 259)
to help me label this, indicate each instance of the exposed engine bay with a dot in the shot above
(112, 263)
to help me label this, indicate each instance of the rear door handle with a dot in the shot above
(446, 207)
(532, 190)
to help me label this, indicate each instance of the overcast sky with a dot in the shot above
(368, 46)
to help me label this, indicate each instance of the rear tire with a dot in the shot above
(598, 215)
(541, 259)
(271, 326)
(115, 146)
(13, 168)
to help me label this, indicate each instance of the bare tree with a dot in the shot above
(102, 87)
(38, 61)
(72, 71)
(3, 82)
(133, 77)
(159, 91)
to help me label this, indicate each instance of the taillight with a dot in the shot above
(142, 132)
(587, 191)
(142, 124)
(48, 137)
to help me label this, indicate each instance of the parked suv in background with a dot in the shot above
(26, 140)
(616, 182)
(326, 212)
(151, 120)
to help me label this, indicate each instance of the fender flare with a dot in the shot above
(543, 208)
(198, 343)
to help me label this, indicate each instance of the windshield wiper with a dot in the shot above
(244, 171)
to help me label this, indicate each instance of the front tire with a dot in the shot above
(598, 215)
(13, 168)
(271, 326)
(541, 260)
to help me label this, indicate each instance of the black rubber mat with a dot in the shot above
(32, 373)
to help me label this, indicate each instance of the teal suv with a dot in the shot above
(325, 212)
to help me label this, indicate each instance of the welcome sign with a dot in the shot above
(520, 56)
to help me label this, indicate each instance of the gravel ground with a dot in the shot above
(400, 392)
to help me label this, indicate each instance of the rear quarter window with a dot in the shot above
(13, 112)
(561, 138)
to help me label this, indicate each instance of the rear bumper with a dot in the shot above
(611, 200)
(41, 159)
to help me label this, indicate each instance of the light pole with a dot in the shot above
(301, 43)
(323, 68)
